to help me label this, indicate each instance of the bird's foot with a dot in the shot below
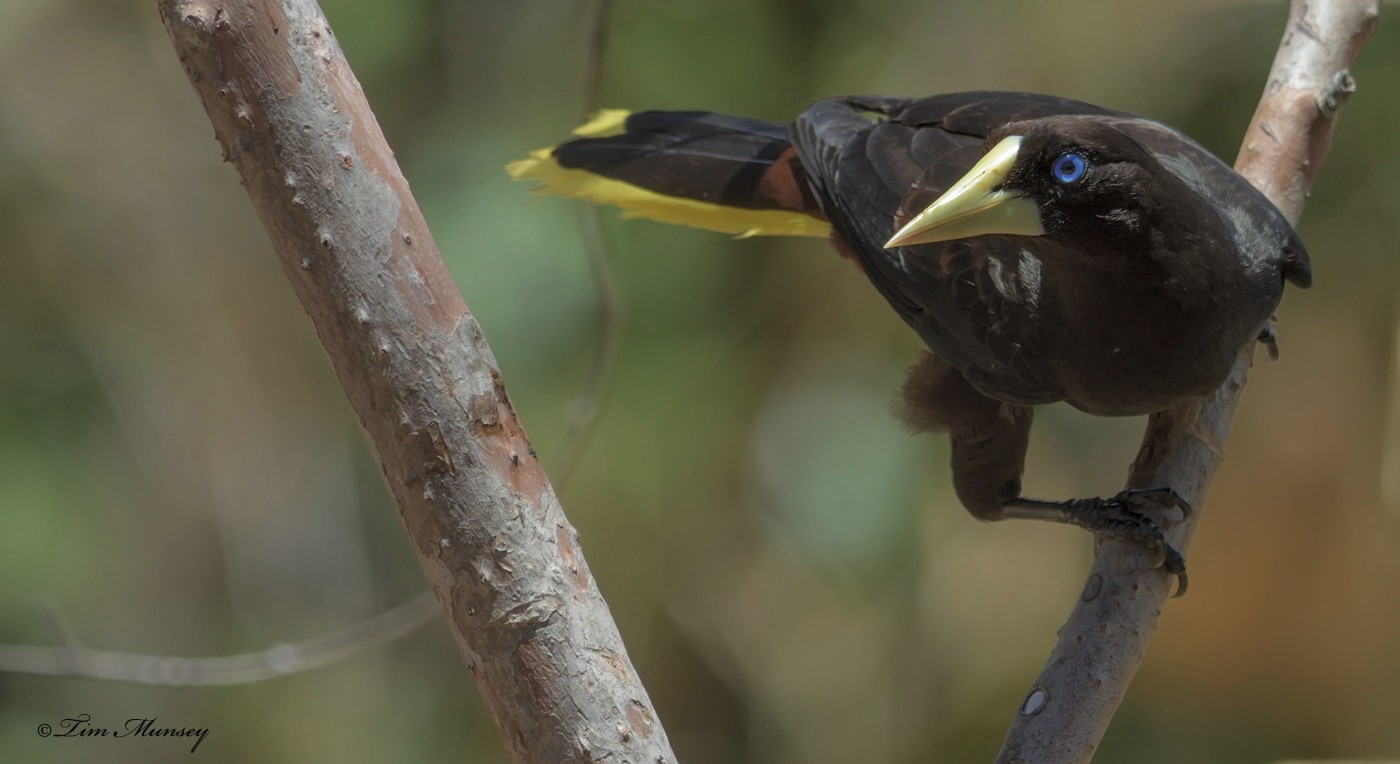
(1123, 517)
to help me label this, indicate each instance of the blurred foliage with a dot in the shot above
(180, 473)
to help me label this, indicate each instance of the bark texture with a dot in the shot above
(1100, 647)
(500, 555)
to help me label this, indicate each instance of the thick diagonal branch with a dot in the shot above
(1101, 645)
(484, 521)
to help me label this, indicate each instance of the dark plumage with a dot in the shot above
(1059, 251)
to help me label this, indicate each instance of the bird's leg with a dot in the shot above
(989, 440)
(1120, 517)
(989, 437)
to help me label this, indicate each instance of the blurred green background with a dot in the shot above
(180, 474)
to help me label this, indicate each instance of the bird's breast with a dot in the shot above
(1140, 347)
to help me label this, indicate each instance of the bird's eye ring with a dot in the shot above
(1069, 167)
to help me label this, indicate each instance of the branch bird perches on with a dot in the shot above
(1100, 647)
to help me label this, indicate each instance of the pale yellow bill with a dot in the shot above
(976, 205)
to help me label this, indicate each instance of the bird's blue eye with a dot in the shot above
(1069, 167)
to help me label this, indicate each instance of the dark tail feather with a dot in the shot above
(705, 170)
(690, 154)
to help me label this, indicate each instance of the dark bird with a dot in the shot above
(1044, 249)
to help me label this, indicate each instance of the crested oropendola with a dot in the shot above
(1044, 249)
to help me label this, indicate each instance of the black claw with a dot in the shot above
(1175, 564)
(1180, 584)
(1186, 509)
(1138, 498)
(1269, 339)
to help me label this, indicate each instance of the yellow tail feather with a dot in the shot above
(606, 122)
(637, 202)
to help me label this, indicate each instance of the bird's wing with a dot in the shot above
(983, 304)
(978, 114)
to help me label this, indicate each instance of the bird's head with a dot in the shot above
(1078, 180)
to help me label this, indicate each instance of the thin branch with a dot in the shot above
(72, 659)
(483, 518)
(1100, 647)
(596, 54)
(583, 410)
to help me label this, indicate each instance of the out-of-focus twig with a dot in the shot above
(595, 55)
(583, 410)
(482, 516)
(69, 658)
(1100, 647)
